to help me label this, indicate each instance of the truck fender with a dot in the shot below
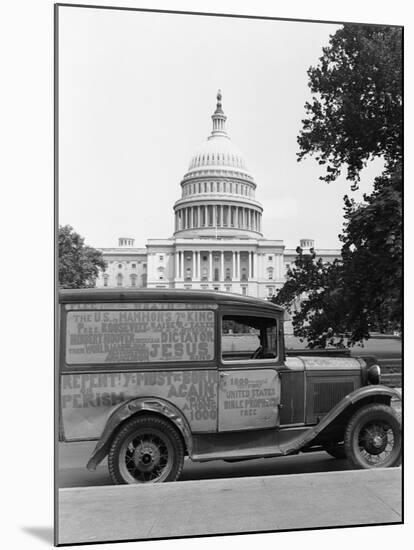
(126, 410)
(349, 400)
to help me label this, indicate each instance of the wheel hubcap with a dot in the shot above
(146, 457)
(376, 443)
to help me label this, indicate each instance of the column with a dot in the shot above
(248, 265)
(222, 266)
(233, 267)
(177, 266)
(214, 215)
(210, 257)
(182, 264)
(255, 275)
(194, 266)
(251, 265)
(238, 265)
(199, 264)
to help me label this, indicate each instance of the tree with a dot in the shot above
(355, 115)
(356, 109)
(79, 264)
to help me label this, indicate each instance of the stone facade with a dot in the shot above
(218, 242)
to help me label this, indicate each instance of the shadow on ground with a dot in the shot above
(45, 534)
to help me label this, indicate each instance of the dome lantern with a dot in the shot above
(219, 119)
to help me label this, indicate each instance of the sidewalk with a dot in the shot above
(190, 508)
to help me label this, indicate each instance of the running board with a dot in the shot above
(239, 454)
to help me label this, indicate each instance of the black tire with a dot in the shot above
(373, 438)
(147, 449)
(335, 449)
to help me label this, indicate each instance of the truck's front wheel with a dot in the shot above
(373, 438)
(147, 449)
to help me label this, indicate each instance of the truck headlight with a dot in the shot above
(374, 374)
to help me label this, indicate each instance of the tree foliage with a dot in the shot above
(312, 294)
(356, 109)
(355, 115)
(79, 264)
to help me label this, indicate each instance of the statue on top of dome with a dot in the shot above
(219, 108)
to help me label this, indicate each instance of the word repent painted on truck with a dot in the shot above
(87, 400)
(97, 337)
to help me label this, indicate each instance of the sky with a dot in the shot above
(136, 95)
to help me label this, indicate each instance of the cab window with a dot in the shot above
(245, 338)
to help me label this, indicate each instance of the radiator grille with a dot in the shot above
(327, 394)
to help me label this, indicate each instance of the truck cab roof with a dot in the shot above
(91, 295)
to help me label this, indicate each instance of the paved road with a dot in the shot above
(74, 456)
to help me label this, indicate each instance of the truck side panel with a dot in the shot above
(88, 399)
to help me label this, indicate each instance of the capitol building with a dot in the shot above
(218, 242)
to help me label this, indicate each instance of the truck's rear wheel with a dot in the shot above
(147, 449)
(373, 438)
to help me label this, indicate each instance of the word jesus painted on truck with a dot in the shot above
(139, 336)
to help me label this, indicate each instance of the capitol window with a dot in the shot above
(133, 266)
(119, 266)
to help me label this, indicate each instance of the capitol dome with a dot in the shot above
(218, 151)
(218, 192)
